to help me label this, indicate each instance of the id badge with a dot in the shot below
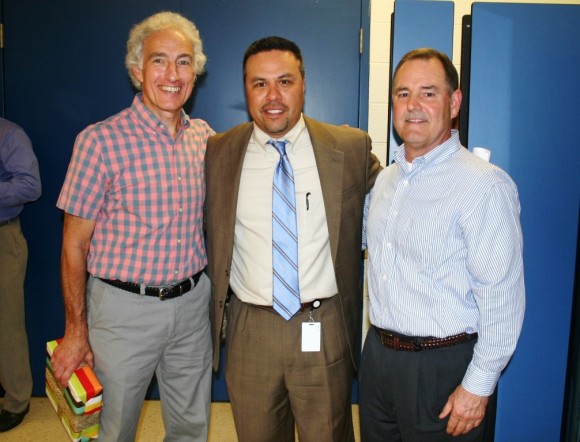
(311, 336)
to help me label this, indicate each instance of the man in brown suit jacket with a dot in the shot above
(281, 372)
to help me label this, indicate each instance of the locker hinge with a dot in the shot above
(1, 35)
(360, 40)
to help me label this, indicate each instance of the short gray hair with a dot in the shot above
(160, 22)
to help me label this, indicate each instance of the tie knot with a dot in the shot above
(280, 146)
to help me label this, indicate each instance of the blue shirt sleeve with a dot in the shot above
(19, 173)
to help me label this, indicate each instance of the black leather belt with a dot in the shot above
(398, 342)
(162, 293)
(8, 221)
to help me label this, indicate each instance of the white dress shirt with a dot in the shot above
(251, 274)
(445, 255)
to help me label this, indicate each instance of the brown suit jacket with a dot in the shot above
(347, 171)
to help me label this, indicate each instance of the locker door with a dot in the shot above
(524, 92)
(326, 31)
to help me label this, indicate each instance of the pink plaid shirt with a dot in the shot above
(145, 191)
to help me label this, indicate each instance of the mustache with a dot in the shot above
(274, 106)
(416, 116)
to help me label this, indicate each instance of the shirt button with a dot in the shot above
(180, 210)
(179, 178)
(179, 241)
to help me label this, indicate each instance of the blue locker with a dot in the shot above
(524, 95)
(418, 24)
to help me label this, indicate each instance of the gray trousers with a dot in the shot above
(15, 375)
(135, 336)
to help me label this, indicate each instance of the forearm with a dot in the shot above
(73, 282)
(20, 177)
(501, 312)
(20, 190)
(77, 236)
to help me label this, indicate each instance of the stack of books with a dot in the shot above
(79, 404)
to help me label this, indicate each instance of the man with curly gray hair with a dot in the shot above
(133, 202)
(159, 22)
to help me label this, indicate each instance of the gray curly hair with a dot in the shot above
(160, 22)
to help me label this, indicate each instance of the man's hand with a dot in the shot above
(465, 410)
(68, 356)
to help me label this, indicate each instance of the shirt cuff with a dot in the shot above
(479, 382)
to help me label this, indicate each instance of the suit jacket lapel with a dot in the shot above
(330, 163)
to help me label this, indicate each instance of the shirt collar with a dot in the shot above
(148, 118)
(261, 138)
(440, 152)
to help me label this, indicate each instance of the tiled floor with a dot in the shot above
(42, 424)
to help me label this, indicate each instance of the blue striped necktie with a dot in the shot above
(286, 291)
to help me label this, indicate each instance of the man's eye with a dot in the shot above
(185, 62)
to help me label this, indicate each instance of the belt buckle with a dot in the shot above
(163, 292)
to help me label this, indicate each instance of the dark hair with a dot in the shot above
(274, 44)
(427, 54)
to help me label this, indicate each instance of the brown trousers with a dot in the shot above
(275, 387)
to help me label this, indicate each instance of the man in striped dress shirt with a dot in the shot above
(133, 201)
(445, 274)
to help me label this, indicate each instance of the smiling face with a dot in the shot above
(423, 106)
(274, 91)
(167, 74)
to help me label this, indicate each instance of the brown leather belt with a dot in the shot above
(398, 342)
(162, 293)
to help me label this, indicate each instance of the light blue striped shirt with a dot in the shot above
(445, 255)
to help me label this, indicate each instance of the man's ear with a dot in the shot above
(456, 98)
(137, 73)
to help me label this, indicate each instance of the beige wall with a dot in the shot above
(380, 44)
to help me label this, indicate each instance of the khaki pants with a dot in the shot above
(15, 375)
